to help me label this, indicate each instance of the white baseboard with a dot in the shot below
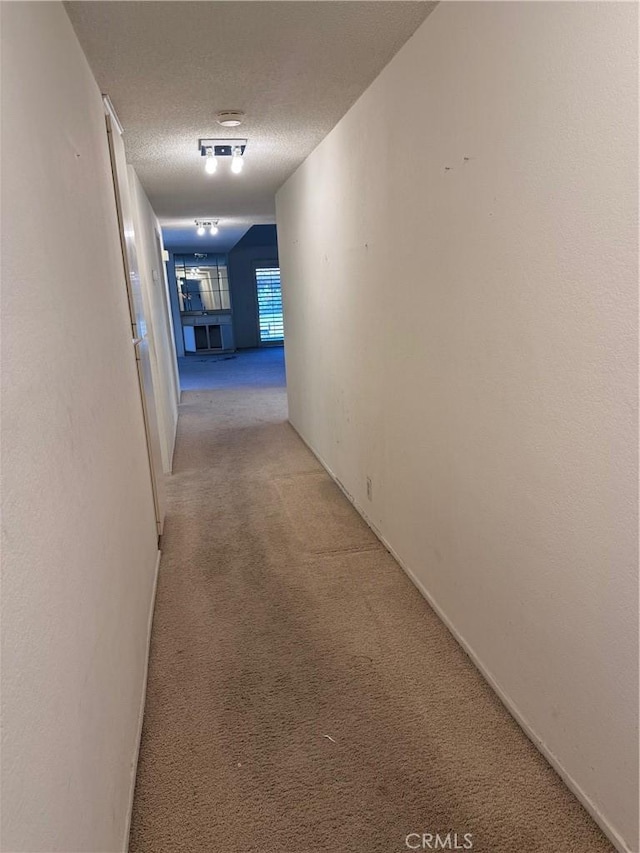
(134, 763)
(618, 842)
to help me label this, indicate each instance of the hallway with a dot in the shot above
(205, 646)
(302, 696)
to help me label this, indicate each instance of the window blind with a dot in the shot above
(269, 304)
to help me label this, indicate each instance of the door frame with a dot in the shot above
(139, 322)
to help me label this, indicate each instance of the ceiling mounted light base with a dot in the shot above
(222, 147)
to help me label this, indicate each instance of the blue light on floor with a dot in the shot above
(245, 368)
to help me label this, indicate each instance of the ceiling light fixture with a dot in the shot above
(236, 161)
(211, 164)
(204, 225)
(214, 148)
(230, 118)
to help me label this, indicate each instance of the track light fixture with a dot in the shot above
(211, 149)
(204, 225)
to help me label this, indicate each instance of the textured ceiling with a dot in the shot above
(294, 68)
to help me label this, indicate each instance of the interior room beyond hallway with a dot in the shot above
(254, 368)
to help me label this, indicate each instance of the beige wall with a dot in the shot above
(162, 350)
(459, 262)
(79, 541)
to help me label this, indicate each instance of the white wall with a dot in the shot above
(459, 259)
(162, 348)
(176, 319)
(79, 541)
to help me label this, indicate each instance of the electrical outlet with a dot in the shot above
(369, 489)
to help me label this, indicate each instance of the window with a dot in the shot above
(269, 305)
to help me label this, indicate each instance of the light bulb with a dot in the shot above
(213, 230)
(211, 164)
(200, 231)
(236, 161)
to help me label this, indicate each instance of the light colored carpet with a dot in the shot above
(281, 622)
